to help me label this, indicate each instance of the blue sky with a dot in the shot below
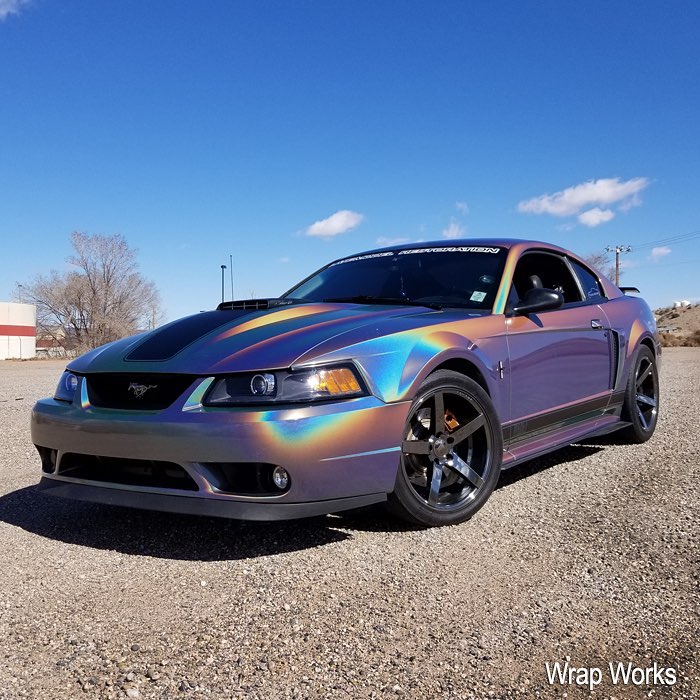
(199, 130)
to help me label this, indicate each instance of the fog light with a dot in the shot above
(280, 477)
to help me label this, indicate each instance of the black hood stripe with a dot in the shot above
(169, 340)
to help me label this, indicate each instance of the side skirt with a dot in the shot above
(561, 438)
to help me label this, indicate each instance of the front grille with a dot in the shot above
(128, 472)
(145, 392)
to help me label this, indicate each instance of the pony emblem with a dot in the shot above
(138, 390)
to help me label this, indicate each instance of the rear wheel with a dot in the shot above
(451, 452)
(641, 406)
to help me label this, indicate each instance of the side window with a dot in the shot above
(546, 270)
(589, 282)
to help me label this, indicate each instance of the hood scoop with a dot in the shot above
(253, 304)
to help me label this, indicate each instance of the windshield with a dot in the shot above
(462, 276)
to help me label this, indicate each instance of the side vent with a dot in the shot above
(614, 358)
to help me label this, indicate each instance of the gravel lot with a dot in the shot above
(591, 553)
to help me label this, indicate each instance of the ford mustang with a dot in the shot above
(409, 375)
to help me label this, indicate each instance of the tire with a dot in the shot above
(641, 404)
(448, 467)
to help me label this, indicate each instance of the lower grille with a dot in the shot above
(127, 472)
(241, 478)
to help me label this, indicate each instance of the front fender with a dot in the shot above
(395, 366)
(443, 348)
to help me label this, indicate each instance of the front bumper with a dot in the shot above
(338, 455)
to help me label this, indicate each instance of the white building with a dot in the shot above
(17, 331)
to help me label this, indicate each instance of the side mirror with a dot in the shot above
(536, 300)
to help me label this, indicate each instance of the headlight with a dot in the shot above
(313, 384)
(67, 384)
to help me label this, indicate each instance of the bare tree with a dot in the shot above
(103, 298)
(601, 261)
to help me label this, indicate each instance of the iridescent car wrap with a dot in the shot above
(552, 378)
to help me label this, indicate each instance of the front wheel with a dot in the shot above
(641, 406)
(451, 452)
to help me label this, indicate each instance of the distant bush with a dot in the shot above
(670, 340)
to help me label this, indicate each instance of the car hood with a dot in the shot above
(239, 340)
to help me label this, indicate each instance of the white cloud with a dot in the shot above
(454, 230)
(658, 253)
(340, 222)
(634, 201)
(462, 207)
(595, 217)
(283, 260)
(385, 241)
(11, 7)
(599, 195)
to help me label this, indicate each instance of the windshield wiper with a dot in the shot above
(369, 299)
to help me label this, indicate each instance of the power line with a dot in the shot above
(656, 266)
(679, 238)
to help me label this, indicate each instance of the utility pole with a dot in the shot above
(223, 269)
(230, 260)
(617, 250)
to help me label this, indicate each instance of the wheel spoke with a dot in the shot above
(646, 400)
(643, 375)
(438, 422)
(642, 419)
(463, 469)
(466, 430)
(415, 447)
(435, 482)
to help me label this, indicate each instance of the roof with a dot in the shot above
(459, 242)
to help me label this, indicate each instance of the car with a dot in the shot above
(409, 375)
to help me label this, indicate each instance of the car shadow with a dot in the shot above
(609, 440)
(161, 535)
(571, 453)
(375, 518)
(199, 538)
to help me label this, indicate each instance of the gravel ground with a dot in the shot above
(589, 554)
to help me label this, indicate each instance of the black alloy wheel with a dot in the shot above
(451, 452)
(641, 406)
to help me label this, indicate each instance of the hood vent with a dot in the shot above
(253, 304)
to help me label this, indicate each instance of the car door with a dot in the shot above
(559, 360)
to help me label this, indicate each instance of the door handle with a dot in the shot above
(597, 324)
